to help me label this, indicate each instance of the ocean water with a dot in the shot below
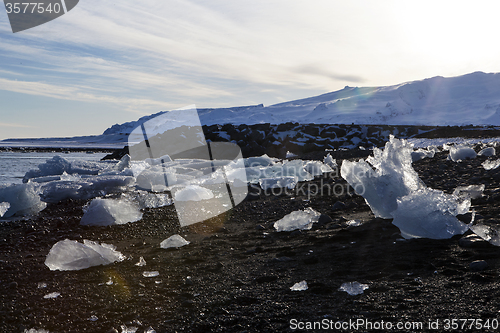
(13, 165)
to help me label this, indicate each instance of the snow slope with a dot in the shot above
(469, 99)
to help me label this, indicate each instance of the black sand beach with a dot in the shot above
(236, 274)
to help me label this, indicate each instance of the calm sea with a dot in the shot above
(13, 165)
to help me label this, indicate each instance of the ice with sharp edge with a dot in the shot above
(491, 165)
(470, 191)
(4, 207)
(70, 255)
(392, 189)
(20, 199)
(299, 286)
(387, 177)
(174, 241)
(59, 179)
(301, 220)
(104, 212)
(353, 288)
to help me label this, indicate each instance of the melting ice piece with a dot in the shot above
(429, 213)
(70, 255)
(299, 286)
(141, 262)
(57, 165)
(461, 153)
(280, 182)
(487, 233)
(290, 155)
(330, 161)
(4, 207)
(130, 329)
(389, 177)
(353, 288)
(34, 330)
(150, 274)
(354, 223)
(24, 199)
(194, 193)
(421, 154)
(490, 165)
(152, 200)
(103, 212)
(317, 168)
(52, 295)
(301, 219)
(470, 191)
(489, 151)
(173, 241)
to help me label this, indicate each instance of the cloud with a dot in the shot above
(15, 125)
(75, 94)
(324, 72)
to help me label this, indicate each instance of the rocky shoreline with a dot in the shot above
(236, 274)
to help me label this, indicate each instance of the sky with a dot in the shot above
(108, 62)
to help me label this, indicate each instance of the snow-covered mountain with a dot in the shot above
(469, 99)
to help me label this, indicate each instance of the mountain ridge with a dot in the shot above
(470, 99)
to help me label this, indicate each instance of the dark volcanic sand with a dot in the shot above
(236, 274)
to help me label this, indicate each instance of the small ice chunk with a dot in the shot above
(103, 212)
(258, 161)
(330, 161)
(280, 182)
(354, 223)
(69, 255)
(301, 219)
(57, 165)
(299, 286)
(150, 274)
(52, 295)
(141, 262)
(489, 151)
(193, 193)
(34, 330)
(130, 329)
(317, 168)
(353, 288)
(4, 207)
(490, 165)
(152, 200)
(489, 234)
(290, 155)
(459, 153)
(93, 318)
(471, 191)
(421, 154)
(173, 241)
(429, 213)
(110, 282)
(23, 199)
(41, 285)
(150, 330)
